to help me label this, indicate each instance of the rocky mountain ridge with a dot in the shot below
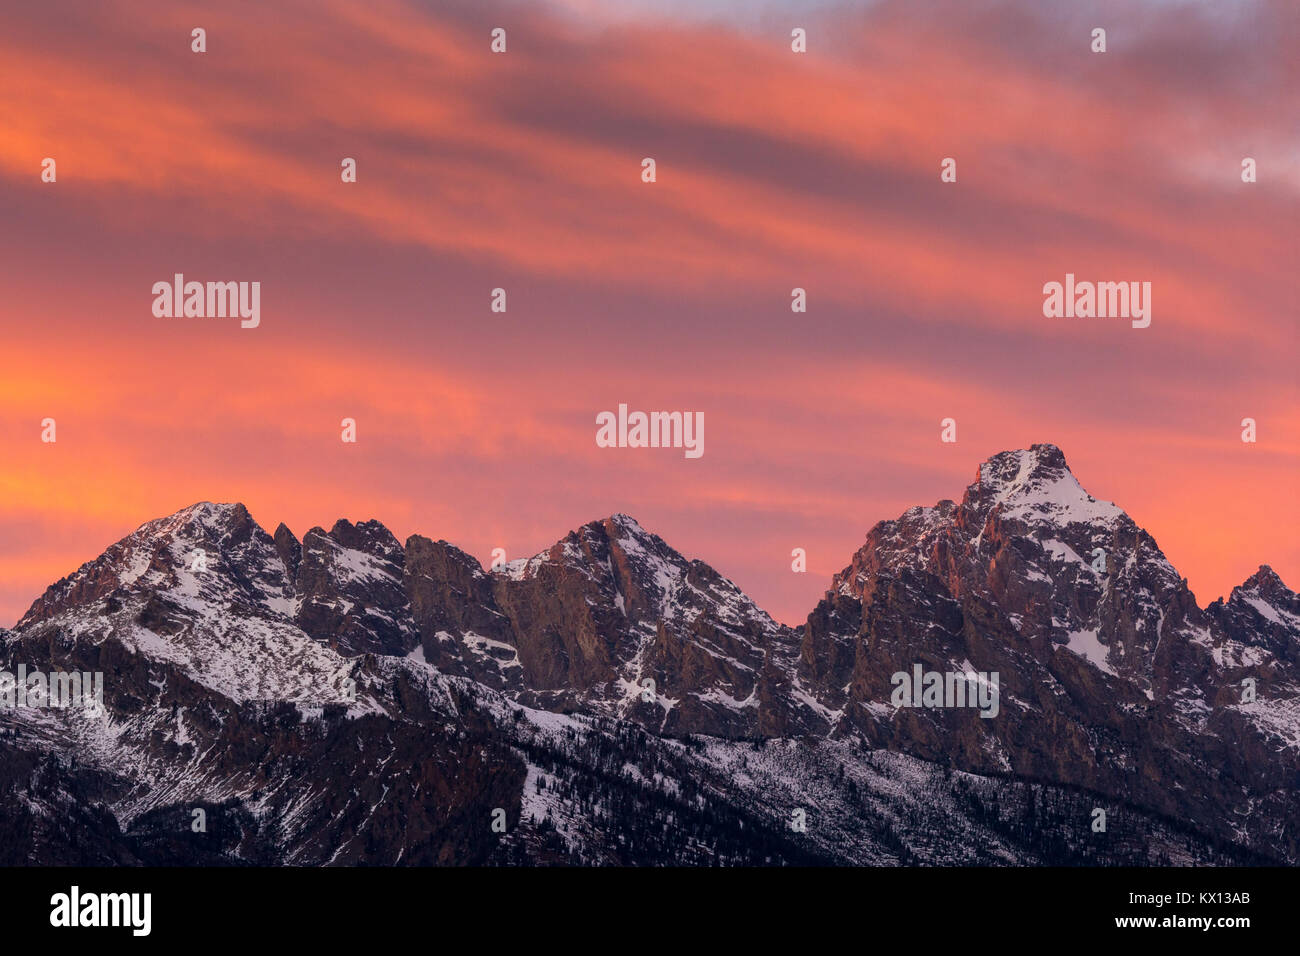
(609, 675)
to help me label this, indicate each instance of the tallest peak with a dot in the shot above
(1018, 465)
(625, 522)
(1036, 484)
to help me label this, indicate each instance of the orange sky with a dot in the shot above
(522, 171)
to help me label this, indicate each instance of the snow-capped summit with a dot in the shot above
(1036, 485)
(1262, 612)
(212, 550)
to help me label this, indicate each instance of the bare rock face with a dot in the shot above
(1111, 677)
(348, 699)
(462, 631)
(289, 549)
(612, 620)
(350, 593)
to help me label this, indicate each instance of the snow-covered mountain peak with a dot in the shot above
(204, 548)
(1036, 485)
(1262, 610)
(625, 523)
(204, 520)
(1266, 584)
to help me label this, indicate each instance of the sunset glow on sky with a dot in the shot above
(521, 171)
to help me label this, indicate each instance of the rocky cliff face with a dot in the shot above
(1111, 677)
(349, 589)
(350, 699)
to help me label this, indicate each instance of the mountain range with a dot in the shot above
(344, 698)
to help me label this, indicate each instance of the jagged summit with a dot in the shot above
(590, 541)
(203, 518)
(1262, 612)
(623, 520)
(1006, 464)
(1035, 485)
(1266, 581)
